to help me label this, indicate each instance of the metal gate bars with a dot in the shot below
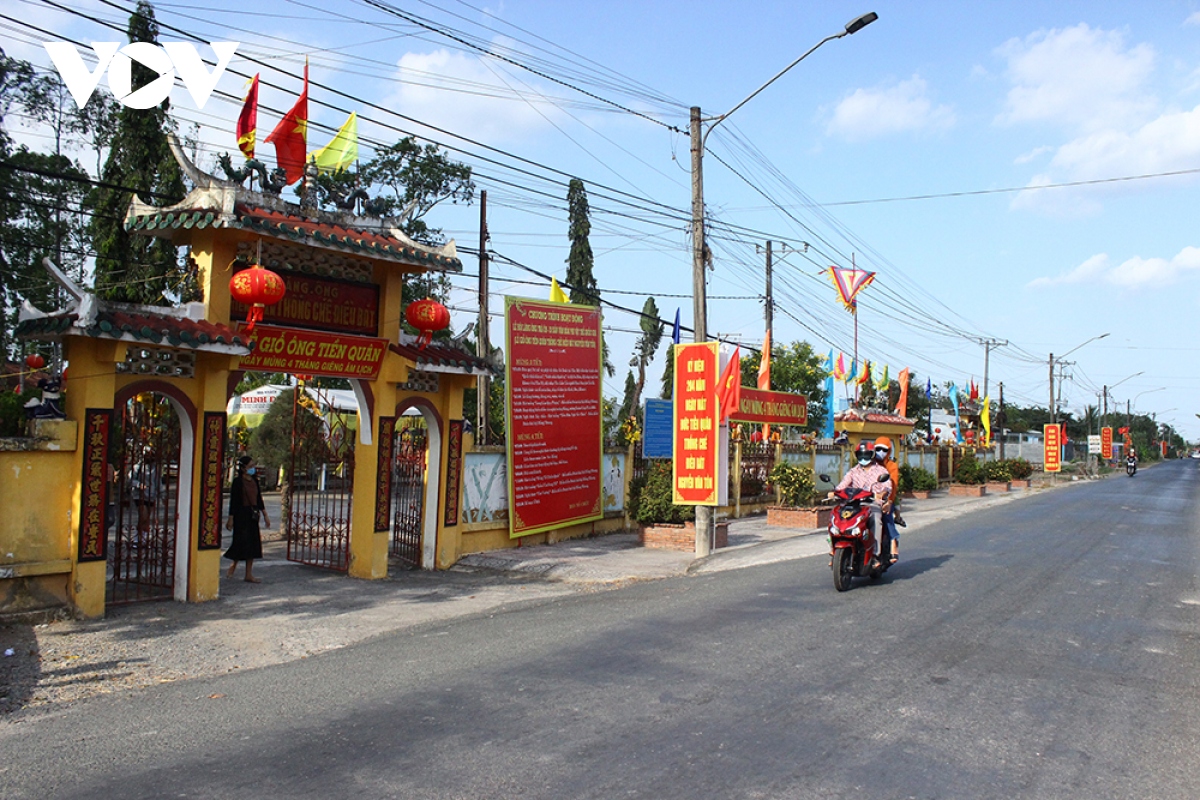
(408, 494)
(319, 483)
(144, 507)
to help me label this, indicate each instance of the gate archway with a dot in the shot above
(149, 516)
(318, 502)
(415, 484)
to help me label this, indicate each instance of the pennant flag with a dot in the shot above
(729, 387)
(342, 150)
(852, 375)
(865, 377)
(247, 123)
(902, 405)
(954, 400)
(557, 295)
(928, 388)
(675, 330)
(291, 135)
(849, 282)
(974, 391)
(884, 382)
(764, 376)
(829, 372)
(985, 419)
(839, 368)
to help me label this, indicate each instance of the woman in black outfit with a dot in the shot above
(245, 506)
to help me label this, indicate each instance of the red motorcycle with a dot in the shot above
(851, 538)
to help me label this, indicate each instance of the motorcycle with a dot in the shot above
(851, 538)
(1130, 466)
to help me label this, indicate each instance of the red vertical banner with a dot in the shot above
(1106, 442)
(1052, 453)
(93, 532)
(386, 443)
(695, 468)
(554, 404)
(454, 466)
(212, 478)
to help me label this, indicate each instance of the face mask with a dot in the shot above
(251, 470)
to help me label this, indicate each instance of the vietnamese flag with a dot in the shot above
(247, 123)
(290, 135)
(729, 387)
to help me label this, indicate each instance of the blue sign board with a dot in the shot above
(660, 426)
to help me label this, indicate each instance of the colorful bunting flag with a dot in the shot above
(883, 383)
(985, 419)
(291, 134)
(342, 150)
(902, 405)
(829, 389)
(247, 123)
(675, 330)
(849, 282)
(839, 368)
(764, 376)
(729, 387)
(557, 295)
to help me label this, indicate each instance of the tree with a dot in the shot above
(134, 268)
(579, 261)
(797, 369)
(417, 179)
(646, 347)
(13, 74)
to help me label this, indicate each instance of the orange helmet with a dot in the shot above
(884, 441)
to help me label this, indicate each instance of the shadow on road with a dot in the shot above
(904, 570)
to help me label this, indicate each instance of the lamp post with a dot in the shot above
(1053, 361)
(699, 136)
(1104, 413)
(1129, 404)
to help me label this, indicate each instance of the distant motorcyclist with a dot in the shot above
(867, 475)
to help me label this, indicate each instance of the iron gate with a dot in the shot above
(144, 508)
(408, 493)
(320, 484)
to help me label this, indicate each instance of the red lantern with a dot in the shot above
(34, 361)
(257, 288)
(427, 316)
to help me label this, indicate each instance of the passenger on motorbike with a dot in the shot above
(891, 517)
(866, 474)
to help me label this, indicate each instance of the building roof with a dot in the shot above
(443, 358)
(216, 203)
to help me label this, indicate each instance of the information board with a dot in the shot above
(656, 436)
(554, 403)
(695, 473)
(1106, 442)
(313, 353)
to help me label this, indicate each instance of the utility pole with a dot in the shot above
(988, 344)
(704, 514)
(1104, 407)
(1053, 414)
(770, 306)
(483, 383)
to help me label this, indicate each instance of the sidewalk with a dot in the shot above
(298, 611)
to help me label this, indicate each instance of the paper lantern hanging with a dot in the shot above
(427, 316)
(257, 288)
(35, 361)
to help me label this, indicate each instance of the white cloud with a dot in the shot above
(1194, 19)
(1080, 77)
(871, 113)
(460, 92)
(1170, 142)
(1033, 155)
(1134, 273)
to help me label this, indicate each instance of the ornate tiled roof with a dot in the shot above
(443, 358)
(140, 326)
(215, 203)
(859, 415)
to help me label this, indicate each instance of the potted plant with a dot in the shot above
(796, 490)
(916, 482)
(663, 523)
(999, 476)
(1021, 470)
(969, 478)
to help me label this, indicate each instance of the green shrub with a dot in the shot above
(1019, 468)
(650, 497)
(970, 471)
(12, 414)
(916, 479)
(997, 471)
(795, 483)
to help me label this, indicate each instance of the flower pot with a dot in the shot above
(967, 490)
(998, 486)
(917, 494)
(670, 536)
(801, 517)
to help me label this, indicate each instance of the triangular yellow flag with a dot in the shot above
(985, 418)
(342, 150)
(557, 295)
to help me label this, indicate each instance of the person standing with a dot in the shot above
(245, 508)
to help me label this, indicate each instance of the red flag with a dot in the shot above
(902, 405)
(290, 135)
(764, 375)
(247, 124)
(729, 387)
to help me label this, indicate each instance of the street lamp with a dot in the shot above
(1053, 410)
(699, 136)
(1104, 415)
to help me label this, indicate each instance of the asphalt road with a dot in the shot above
(1042, 649)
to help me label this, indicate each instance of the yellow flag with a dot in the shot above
(985, 419)
(557, 295)
(342, 150)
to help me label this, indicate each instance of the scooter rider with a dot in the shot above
(891, 517)
(866, 474)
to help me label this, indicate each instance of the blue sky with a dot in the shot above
(914, 147)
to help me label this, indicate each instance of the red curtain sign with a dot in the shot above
(695, 471)
(1053, 447)
(777, 408)
(313, 353)
(554, 401)
(1106, 442)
